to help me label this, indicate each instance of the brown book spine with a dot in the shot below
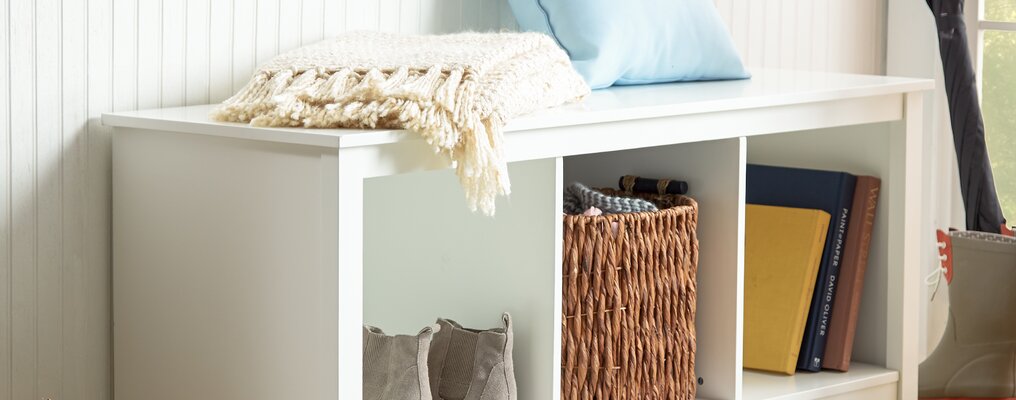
(843, 323)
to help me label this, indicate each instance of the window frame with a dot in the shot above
(973, 17)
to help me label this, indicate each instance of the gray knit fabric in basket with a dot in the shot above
(578, 198)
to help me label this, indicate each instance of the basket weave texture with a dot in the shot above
(629, 290)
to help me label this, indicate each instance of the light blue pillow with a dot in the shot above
(632, 42)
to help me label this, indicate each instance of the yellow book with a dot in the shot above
(783, 249)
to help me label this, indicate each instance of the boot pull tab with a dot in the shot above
(945, 254)
(509, 343)
(429, 330)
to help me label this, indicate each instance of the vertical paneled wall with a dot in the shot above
(64, 62)
(820, 35)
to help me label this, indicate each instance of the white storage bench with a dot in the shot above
(246, 259)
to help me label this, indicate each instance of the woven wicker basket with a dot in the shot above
(629, 303)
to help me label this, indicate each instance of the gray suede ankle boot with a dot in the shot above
(395, 367)
(977, 354)
(468, 364)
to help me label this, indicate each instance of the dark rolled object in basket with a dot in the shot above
(628, 302)
(634, 184)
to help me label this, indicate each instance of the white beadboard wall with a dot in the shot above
(63, 62)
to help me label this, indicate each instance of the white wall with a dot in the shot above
(820, 35)
(913, 49)
(64, 62)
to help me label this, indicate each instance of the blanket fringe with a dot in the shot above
(442, 105)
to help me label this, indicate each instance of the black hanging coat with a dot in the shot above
(983, 211)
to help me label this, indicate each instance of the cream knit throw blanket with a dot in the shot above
(457, 91)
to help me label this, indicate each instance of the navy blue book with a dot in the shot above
(832, 192)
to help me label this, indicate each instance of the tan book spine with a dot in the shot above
(843, 323)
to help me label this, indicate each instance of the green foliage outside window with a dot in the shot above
(1000, 10)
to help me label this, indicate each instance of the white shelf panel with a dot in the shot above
(766, 89)
(805, 385)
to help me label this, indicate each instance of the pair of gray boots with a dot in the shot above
(443, 362)
(977, 355)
